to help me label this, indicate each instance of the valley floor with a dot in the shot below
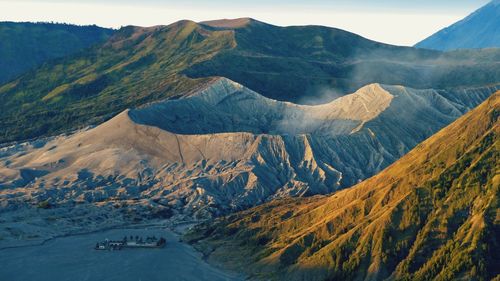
(73, 258)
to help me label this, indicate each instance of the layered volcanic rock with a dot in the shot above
(225, 148)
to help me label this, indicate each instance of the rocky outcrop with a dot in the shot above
(226, 148)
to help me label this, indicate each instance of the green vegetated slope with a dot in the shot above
(26, 45)
(135, 66)
(432, 215)
(140, 65)
(311, 64)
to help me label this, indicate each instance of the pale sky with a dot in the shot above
(400, 22)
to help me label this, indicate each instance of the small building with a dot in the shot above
(133, 242)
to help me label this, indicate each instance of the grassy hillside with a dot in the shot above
(139, 65)
(135, 66)
(26, 45)
(432, 215)
(309, 64)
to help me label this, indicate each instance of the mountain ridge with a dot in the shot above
(141, 65)
(228, 148)
(433, 214)
(230, 23)
(26, 45)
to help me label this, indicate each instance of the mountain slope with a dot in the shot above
(141, 65)
(314, 64)
(433, 214)
(135, 66)
(226, 148)
(24, 46)
(481, 29)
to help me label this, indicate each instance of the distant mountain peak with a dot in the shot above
(230, 23)
(481, 29)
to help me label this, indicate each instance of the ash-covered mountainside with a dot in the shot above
(225, 148)
(432, 215)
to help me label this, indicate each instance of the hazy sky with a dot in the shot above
(401, 22)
